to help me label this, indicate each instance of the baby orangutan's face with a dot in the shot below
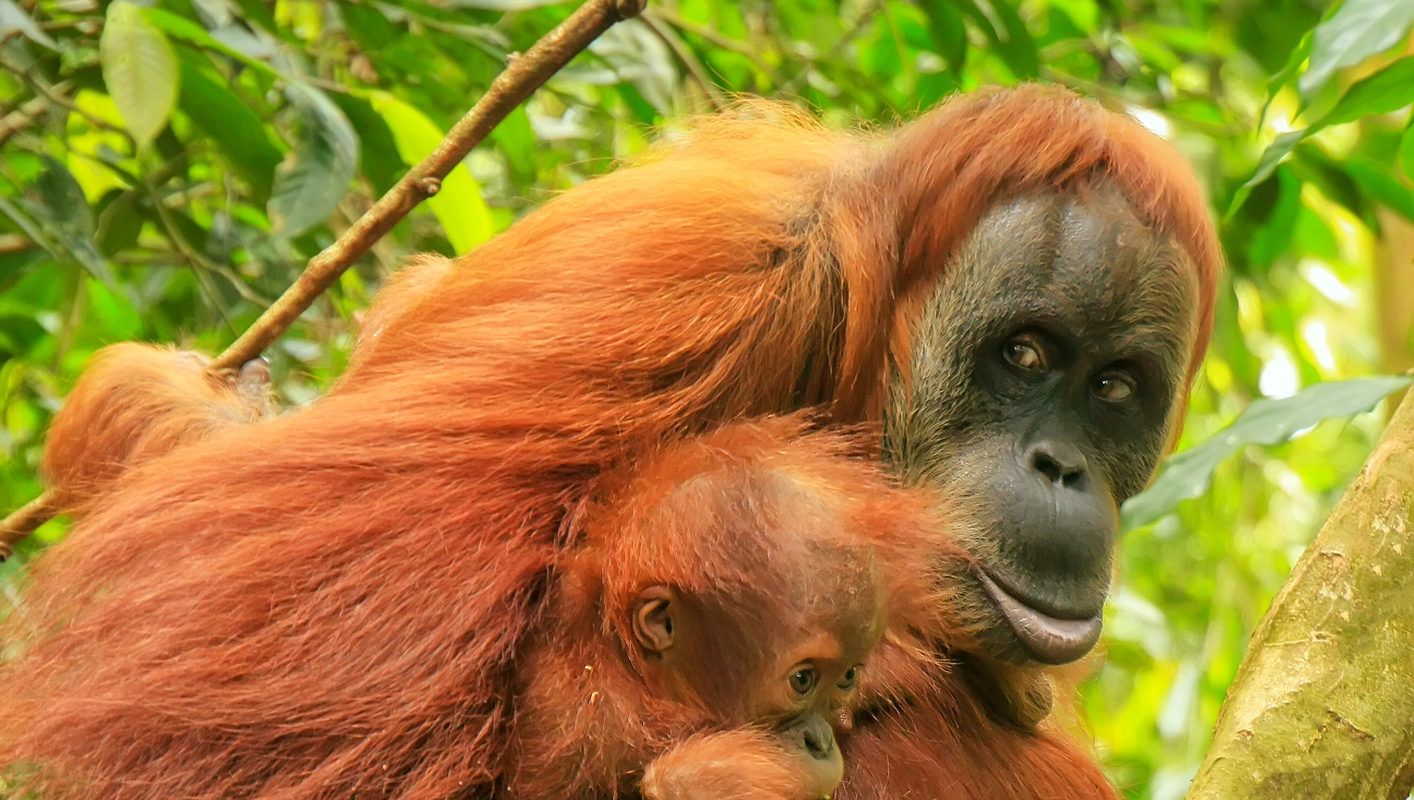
(783, 658)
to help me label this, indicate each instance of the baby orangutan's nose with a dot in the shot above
(819, 739)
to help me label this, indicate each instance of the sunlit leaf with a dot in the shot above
(315, 175)
(1390, 89)
(1356, 31)
(459, 205)
(230, 122)
(139, 70)
(1188, 474)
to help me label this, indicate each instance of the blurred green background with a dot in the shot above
(167, 168)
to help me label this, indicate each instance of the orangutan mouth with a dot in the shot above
(1048, 639)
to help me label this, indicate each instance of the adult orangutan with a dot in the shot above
(1018, 285)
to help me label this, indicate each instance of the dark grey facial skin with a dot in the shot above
(1016, 404)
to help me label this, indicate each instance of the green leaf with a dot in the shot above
(54, 213)
(236, 129)
(1406, 150)
(68, 219)
(1390, 89)
(378, 159)
(949, 32)
(1376, 181)
(139, 70)
(999, 20)
(1271, 157)
(184, 30)
(1267, 422)
(458, 205)
(63, 198)
(315, 175)
(1358, 30)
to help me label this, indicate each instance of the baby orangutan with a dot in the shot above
(135, 402)
(710, 626)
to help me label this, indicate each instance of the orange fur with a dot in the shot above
(333, 601)
(767, 527)
(135, 402)
(743, 764)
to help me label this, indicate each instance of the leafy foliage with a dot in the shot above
(166, 168)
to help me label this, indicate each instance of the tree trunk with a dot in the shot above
(1323, 705)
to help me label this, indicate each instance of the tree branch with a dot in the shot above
(1322, 704)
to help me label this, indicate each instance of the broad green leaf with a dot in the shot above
(459, 205)
(1390, 89)
(1377, 181)
(120, 222)
(1271, 157)
(1358, 30)
(61, 195)
(1267, 422)
(14, 19)
(229, 121)
(949, 32)
(315, 175)
(378, 159)
(139, 70)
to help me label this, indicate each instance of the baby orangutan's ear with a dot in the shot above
(653, 618)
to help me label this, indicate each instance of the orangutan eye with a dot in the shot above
(803, 680)
(850, 677)
(1025, 352)
(1114, 386)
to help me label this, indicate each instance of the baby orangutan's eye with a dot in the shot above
(803, 680)
(850, 677)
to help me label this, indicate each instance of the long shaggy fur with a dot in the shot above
(331, 602)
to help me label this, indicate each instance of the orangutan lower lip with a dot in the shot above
(1048, 639)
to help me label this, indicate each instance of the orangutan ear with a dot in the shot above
(653, 618)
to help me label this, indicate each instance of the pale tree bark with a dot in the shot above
(1323, 705)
